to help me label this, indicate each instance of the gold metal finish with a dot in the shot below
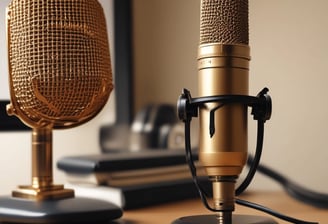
(45, 193)
(223, 70)
(42, 176)
(59, 63)
(224, 194)
(60, 76)
(224, 218)
(41, 157)
(224, 197)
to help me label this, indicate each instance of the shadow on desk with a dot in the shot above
(276, 200)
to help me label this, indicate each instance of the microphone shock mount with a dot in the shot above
(261, 104)
(223, 186)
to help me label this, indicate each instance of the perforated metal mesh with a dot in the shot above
(224, 21)
(59, 59)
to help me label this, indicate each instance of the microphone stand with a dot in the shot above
(45, 202)
(188, 108)
(42, 186)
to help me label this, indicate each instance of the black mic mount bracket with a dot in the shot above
(188, 106)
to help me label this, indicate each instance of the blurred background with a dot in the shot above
(288, 40)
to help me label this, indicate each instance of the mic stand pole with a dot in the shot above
(42, 186)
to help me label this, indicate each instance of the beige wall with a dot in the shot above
(165, 44)
(289, 46)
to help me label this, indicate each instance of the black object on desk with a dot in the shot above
(119, 161)
(143, 193)
(70, 210)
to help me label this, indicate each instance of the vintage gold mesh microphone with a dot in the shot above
(223, 67)
(60, 77)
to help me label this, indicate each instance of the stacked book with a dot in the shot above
(132, 179)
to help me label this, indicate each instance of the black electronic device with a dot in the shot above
(155, 127)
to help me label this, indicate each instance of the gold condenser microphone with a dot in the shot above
(60, 77)
(223, 74)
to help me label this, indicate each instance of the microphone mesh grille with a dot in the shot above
(58, 59)
(224, 21)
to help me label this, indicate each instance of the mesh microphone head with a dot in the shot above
(59, 62)
(224, 21)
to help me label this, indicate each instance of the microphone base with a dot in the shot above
(69, 210)
(236, 219)
(52, 192)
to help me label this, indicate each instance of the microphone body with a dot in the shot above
(223, 73)
(223, 69)
(59, 76)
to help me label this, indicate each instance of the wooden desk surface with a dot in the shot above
(279, 201)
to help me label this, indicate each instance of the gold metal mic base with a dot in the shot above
(236, 219)
(45, 193)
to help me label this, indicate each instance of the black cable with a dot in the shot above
(193, 169)
(293, 189)
(271, 212)
(255, 161)
(251, 172)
